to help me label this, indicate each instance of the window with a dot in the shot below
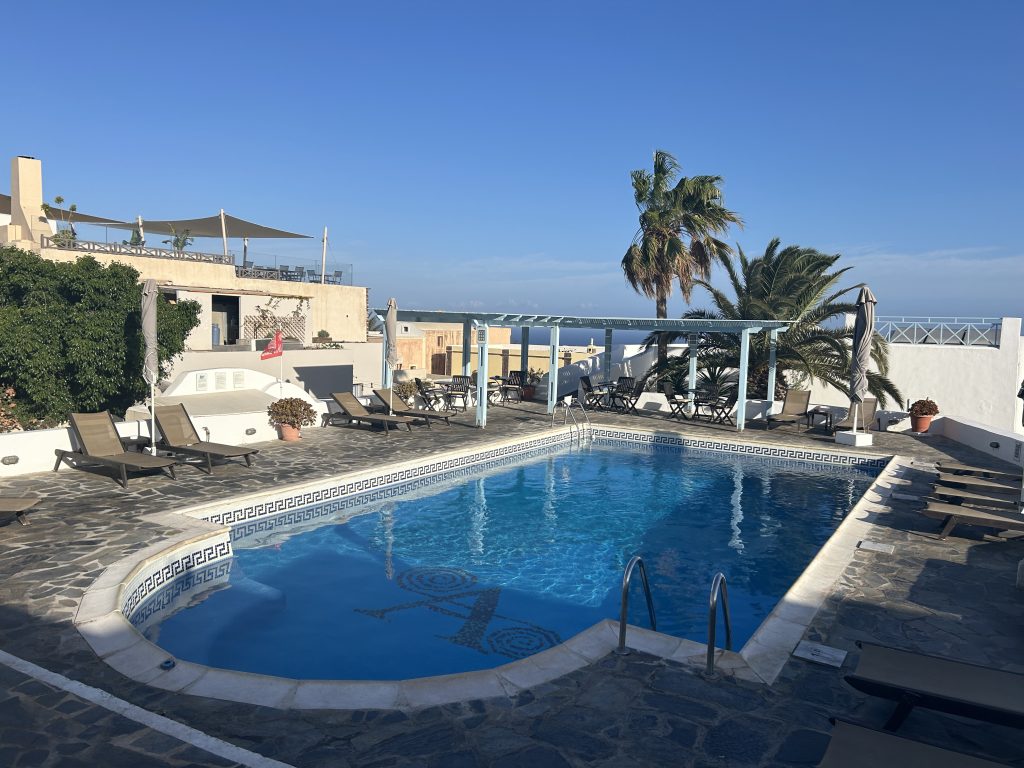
(440, 341)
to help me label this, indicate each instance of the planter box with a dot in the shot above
(859, 439)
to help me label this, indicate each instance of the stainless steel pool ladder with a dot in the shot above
(717, 585)
(635, 561)
(577, 428)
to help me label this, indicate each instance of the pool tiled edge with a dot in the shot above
(206, 536)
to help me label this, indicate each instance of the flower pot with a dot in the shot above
(289, 433)
(529, 390)
(920, 423)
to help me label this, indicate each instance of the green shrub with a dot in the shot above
(293, 411)
(71, 336)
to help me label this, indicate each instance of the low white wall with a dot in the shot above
(999, 443)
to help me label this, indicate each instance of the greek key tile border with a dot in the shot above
(165, 597)
(599, 434)
(394, 481)
(146, 583)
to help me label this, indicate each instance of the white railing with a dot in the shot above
(89, 246)
(946, 331)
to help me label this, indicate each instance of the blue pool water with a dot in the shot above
(509, 563)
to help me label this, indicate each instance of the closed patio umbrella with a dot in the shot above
(391, 357)
(151, 361)
(863, 331)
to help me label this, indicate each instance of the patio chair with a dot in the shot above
(627, 398)
(19, 507)
(179, 435)
(865, 416)
(513, 385)
(432, 395)
(354, 411)
(460, 390)
(312, 276)
(954, 687)
(854, 746)
(720, 409)
(794, 408)
(593, 397)
(953, 515)
(99, 443)
(676, 403)
(399, 408)
(623, 386)
(493, 386)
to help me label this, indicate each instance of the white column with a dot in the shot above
(481, 375)
(524, 349)
(553, 370)
(741, 396)
(607, 362)
(692, 378)
(773, 342)
(467, 348)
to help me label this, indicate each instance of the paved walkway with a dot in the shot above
(953, 597)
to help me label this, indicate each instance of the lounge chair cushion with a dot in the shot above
(853, 746)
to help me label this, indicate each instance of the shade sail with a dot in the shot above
(211, 227)
(76, 217)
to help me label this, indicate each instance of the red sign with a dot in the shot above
(275, 347)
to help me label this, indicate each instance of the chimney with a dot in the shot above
(28, 222)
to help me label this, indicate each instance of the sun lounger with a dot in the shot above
(19, 507)
(854, 746)
(956, 468)
(353, 410)
(399, 408)
(999, 485)
(179, 435)
(954, 687)
(99, 443)
(953, 515)
(980, 497)
(794, 408)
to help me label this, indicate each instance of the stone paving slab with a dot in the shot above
(953, 597)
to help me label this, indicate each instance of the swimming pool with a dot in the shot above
(467, 575)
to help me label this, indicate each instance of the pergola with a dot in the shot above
(475, 327)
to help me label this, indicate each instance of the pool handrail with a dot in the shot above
(627, 575)
(718, 584)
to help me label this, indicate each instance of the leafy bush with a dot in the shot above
(293, 411)
(924, 407)
(403, 389)
(72, 336)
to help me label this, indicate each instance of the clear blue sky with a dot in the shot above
(471, 155)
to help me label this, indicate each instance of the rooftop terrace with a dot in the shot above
(953, 597)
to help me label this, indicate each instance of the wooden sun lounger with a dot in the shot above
(353, 410)
(954, 687)
(399, 408)
(19, 507)
(854, 746)
(1000, 485)
(179, 435)
(981, 497)
(98, 442)
(956, 468)
(957, 514)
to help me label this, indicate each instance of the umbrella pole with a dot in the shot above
(855, 418)
(152, 419)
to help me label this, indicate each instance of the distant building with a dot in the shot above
(238, 302)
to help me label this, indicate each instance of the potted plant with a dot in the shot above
(921, 414)
(290, 415)
(533, 377)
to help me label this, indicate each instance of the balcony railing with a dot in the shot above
(89, 246)
(945, 331)
(343, 276)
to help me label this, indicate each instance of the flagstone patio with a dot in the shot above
(953, 597)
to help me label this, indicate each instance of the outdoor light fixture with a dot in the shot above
(251, 431)
(993, 444)
(9, 460)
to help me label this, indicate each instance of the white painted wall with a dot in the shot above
(973, 384)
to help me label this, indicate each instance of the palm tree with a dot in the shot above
(794, 284)
(676, 239)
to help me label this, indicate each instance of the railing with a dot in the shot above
(627, 575)
(717, 585)
(88, 246)
(945, 331)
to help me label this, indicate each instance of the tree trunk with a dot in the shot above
(661, 312)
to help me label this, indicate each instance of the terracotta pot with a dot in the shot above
(920, 423)
(529, 390)
(289, 433)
